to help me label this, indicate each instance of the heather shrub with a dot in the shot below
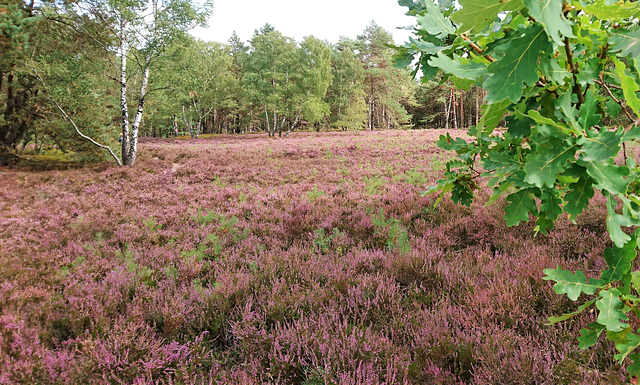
(243, 260)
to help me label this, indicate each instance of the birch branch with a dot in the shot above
(68, 118)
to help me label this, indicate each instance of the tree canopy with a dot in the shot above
(83, 76)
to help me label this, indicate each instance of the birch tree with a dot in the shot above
(142, 29)
(202, 81)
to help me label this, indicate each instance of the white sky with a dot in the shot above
(324, 19)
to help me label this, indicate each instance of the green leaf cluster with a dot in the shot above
(562, 79)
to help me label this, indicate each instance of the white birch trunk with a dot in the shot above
(133, 150)
(186, 123)
(275, 124)
(294, 122)
(284, 118)
(126, 140)
(266, 114)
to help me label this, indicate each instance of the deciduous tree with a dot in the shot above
(143, 29)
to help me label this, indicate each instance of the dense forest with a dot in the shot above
(85, 75)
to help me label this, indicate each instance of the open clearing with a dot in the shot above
(307, 260)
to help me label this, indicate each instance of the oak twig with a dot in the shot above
(478, 49)
(577, 88)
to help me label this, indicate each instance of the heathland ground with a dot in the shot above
(307, 260)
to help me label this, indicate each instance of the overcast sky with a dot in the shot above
(324, 19)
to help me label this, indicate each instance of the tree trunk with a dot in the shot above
(275, 123)
(447, 110)
(462, 117)
(284, 118)
(294, 122)
(126, 139)
(477, 107)
(454, 109)
(133, 150)
(266, 114)
(371, 108)
(175, 125)
(188, 123)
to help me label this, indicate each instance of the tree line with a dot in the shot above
(90, 75)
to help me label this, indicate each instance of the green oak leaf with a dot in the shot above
(550, 203)
(634, 368)
(550, 210)
(477, 14)
(553, 71)
(589, 116)
(462, 192)
(426, 69)
(411, 5)
(629, 87)
(631, 209)
(609, 178)
(434, 22)
(615, 222)
(519, 126)
(632, 134)
(426, 46)
(613, 109)
(619, 260)
(492, 114)
(458, 66)
(564, 317)
(461, 83)
(589, 71)
(549, 160)
(546, 125)
(578, 198)
(565, 108)
(589, 336)
(402, 59)
(635, 280)
(628, 42)
(617, 12)
(600, 146)
(549, 13)
(610, 315)
(518, 66)
(450, 144)
(572, 284)
(520, 205)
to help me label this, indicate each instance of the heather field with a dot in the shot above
(307, 260)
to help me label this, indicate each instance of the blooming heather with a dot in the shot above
(307, 260)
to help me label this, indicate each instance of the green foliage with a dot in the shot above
(389, 90)
(373, 184)
(315, 193)
(151, 224)
(397, 237)
(517, 66)
(558, 73)
(324, 242)
(572, 284)
(286, 81)
(198, 80)
(209, 249)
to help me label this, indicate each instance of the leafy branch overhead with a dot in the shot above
(563, 78)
